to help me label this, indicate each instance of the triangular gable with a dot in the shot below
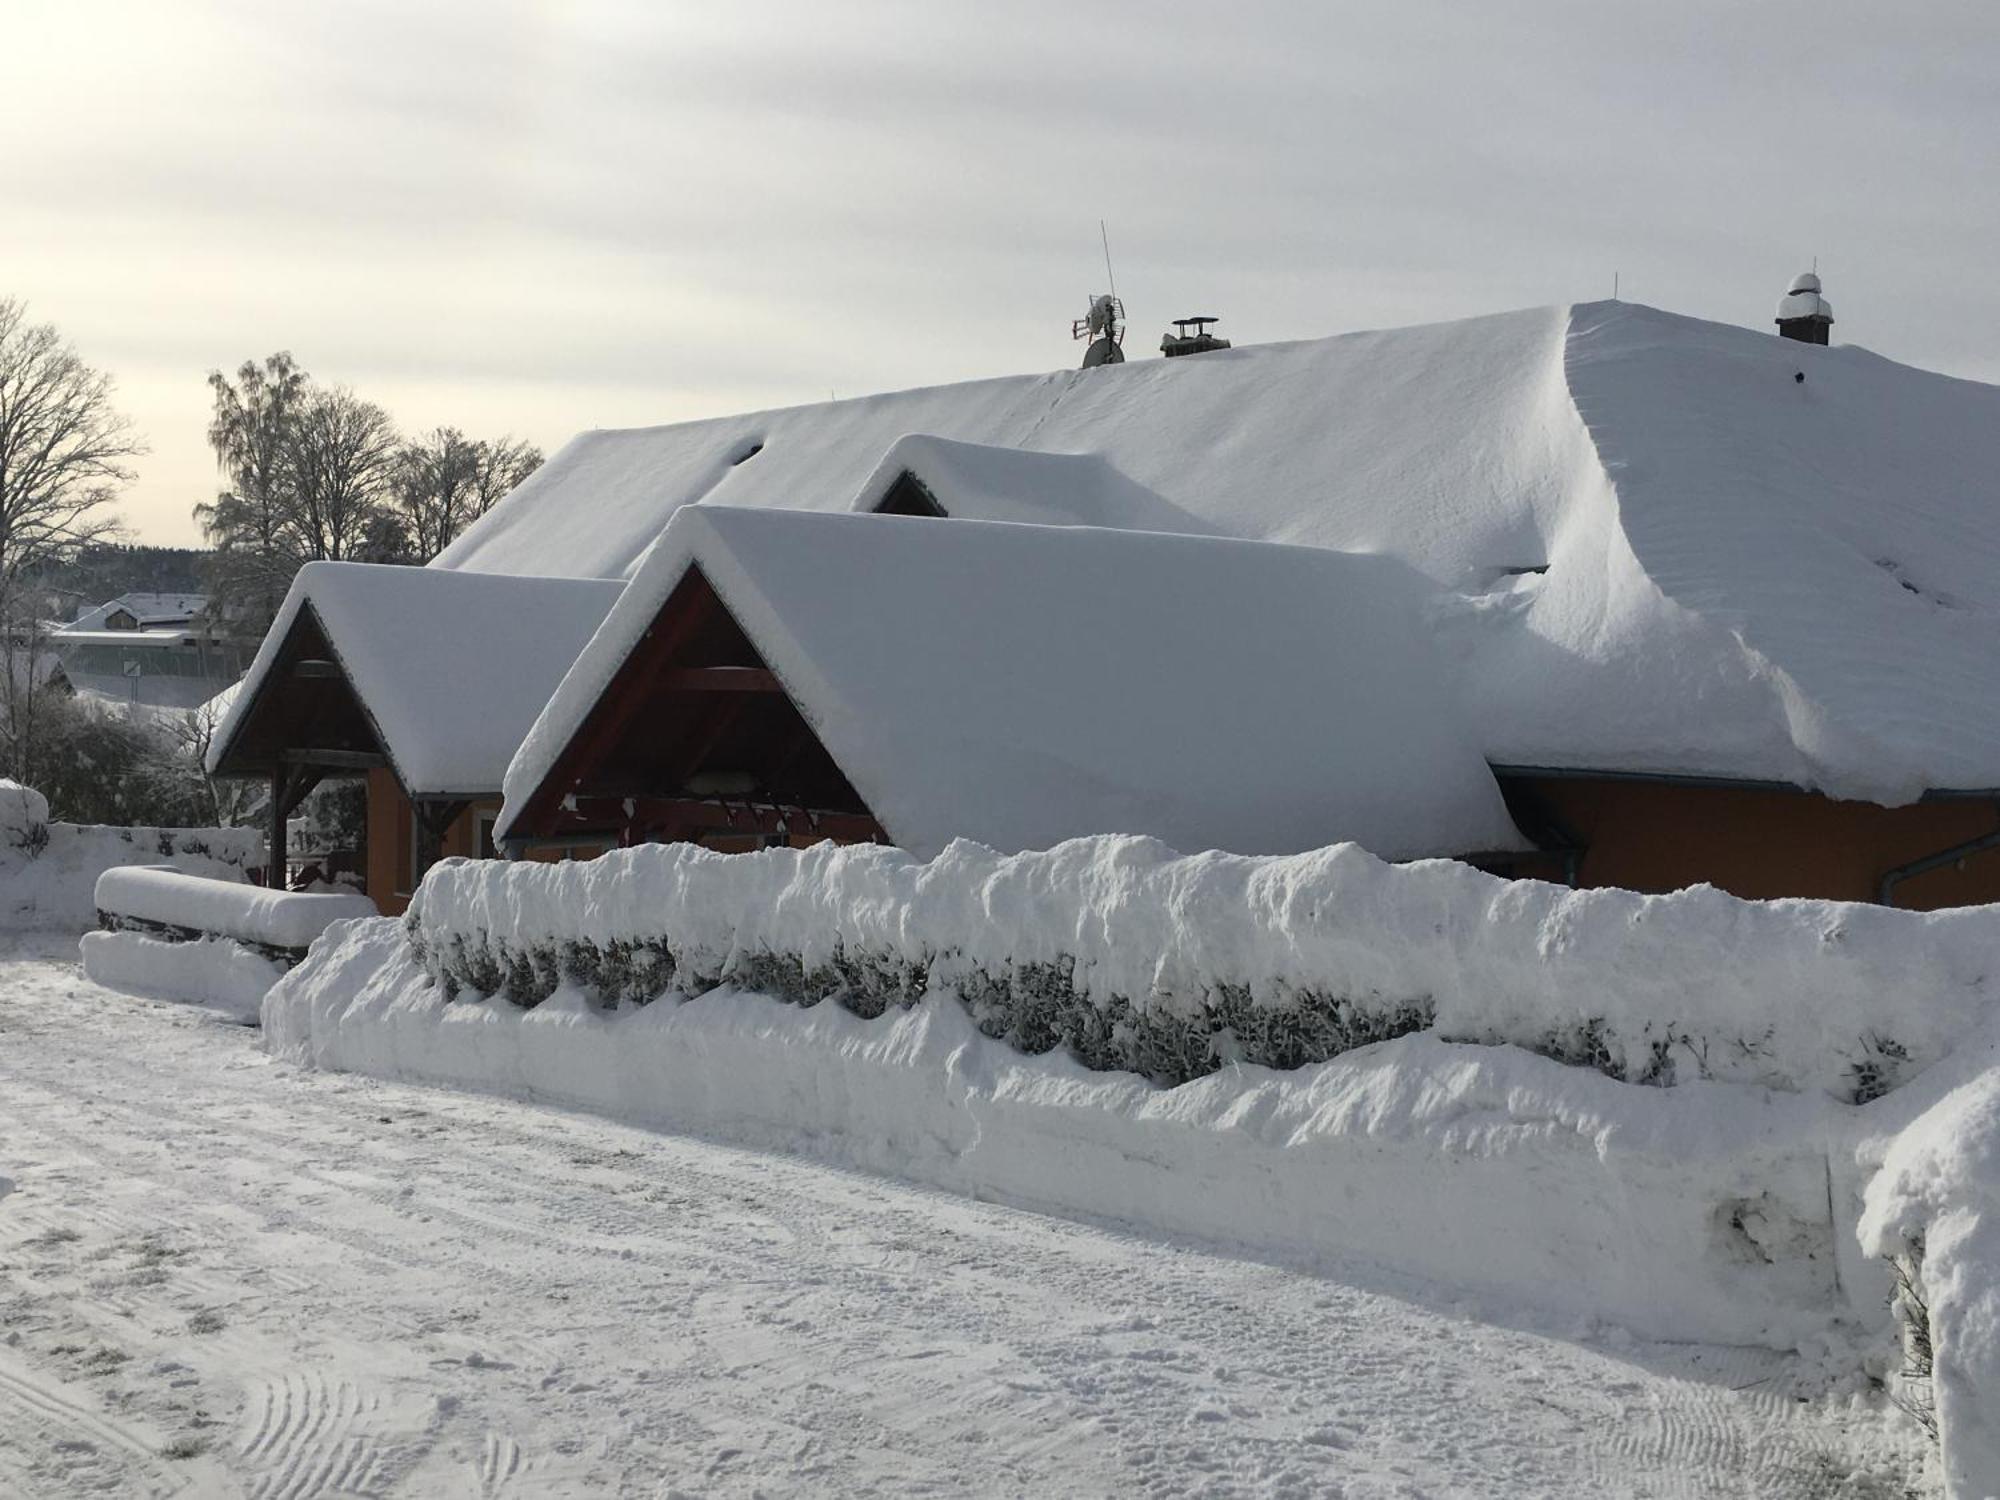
(694, 736)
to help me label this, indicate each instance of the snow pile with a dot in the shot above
(217, 972)
(1934, 1208)
(1699, 1212)
(1032, 683)
(49, 871)
(181, 905)
(24, 816)
(1138, 958)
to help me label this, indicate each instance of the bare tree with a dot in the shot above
(62, 448)
(63, 452)
(251, 523)
(445, 481)
(503, 466)
(343, 452)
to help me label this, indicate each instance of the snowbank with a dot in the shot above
(49, 871)
(169, 901)
(216, 972)
(1137, 958)
(1693, 1213)
(1935, 1208)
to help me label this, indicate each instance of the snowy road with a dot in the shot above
(221, 1275)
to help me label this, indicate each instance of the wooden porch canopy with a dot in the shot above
(694, 736)
(306, 721)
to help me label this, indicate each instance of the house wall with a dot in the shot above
(1644, 836)
(1656, 836)
(390, 820)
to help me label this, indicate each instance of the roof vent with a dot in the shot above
(1803, 314)
(1199, 341)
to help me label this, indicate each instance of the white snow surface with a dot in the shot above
(1020, 685)
(1747, 575)
(1796, 995)
(313, 1284)
(215, 972)
(452, 667)
(283, 919)
(49, 871)
(1938, 1188)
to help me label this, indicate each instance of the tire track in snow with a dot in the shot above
(80, 1437)
(303, 1437)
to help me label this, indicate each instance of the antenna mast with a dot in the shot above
(1104, 324)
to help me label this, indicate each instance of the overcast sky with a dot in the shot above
(534, 218)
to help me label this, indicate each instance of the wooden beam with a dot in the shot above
(336, 760)
(681, 816)
(719, 680)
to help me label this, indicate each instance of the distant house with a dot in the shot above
(1701, 604)
(158, 651)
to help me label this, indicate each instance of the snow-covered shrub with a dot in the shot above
(1933, 1212)
(1136, 958)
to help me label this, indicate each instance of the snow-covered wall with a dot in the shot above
(1135, 957)
(49, 871)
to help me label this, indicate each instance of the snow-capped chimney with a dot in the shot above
(1803, 314)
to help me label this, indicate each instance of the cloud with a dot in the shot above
(648, 209)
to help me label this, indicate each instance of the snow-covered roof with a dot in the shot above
(1747, 575)
(982, 482)
(452, 668)
(147, 609)
(1020, 685)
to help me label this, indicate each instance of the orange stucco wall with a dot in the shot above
(389, 819)
(1649, 836)
(1644, 836)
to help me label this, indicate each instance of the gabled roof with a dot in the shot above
(1653, 548)
(980, 482)
(449, 668)
(147, 609)
(1020, 685)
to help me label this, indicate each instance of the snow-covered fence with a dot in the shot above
(49, 871)
(1135, 958)
(167, 904)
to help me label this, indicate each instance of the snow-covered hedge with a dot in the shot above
(1933, 1208)
(173, 905)
(48, 871)
(1699, 1212)
(1133, 957)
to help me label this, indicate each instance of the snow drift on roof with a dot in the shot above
(1021, 685)
(452, 667)
(1746, 575)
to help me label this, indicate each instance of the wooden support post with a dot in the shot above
(433, 820)
(274, 874)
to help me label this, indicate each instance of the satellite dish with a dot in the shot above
(1104, 326)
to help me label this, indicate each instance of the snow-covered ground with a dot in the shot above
(220, 1274)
